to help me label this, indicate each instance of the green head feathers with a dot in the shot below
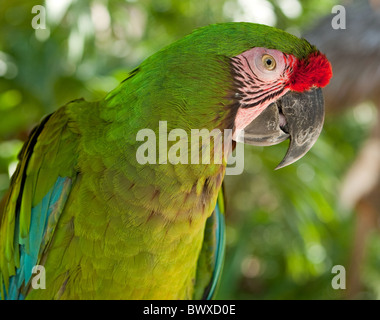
(231, 39)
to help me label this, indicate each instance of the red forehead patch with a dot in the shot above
(315, 70)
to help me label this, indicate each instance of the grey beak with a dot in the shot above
(297, 116)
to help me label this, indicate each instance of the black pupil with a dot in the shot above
(268, 62)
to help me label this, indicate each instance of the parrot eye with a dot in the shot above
(269, 62)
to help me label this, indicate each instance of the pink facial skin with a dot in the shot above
(260, 84)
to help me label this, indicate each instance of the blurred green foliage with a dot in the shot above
(285, 229)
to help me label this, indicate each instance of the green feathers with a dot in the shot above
(231, 39)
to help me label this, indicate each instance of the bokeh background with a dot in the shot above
(286, 229)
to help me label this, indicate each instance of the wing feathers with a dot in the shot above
(39, 190)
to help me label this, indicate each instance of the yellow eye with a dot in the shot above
(268, 62)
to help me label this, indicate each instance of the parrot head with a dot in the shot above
(278, 93)
(239, 76)
(280, 98)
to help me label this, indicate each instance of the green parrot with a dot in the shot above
(97, 223)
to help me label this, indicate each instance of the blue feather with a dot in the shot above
(219, 250)
(44, 217)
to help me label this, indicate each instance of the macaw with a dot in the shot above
(104, 226)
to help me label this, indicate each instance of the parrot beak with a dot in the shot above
(295, 116)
